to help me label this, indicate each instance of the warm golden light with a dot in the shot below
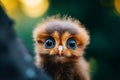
(31, 2)
(117, 5)
(34, 8)
(10, 6)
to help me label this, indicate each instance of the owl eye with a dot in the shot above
(49, 43)
(71, 43)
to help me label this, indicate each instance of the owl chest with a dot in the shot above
(61, 71)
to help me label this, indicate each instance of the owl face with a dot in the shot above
(60, 40)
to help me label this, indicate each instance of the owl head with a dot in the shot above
(60, 39)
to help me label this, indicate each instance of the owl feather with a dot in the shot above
(59, 46)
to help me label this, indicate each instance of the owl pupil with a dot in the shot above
(72, 44)
(49, 43)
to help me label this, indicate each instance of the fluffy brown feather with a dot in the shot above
(69, 64)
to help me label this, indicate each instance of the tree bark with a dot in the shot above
(16, 62)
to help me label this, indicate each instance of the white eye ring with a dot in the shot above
(60, 48)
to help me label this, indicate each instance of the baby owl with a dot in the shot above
(59, 47)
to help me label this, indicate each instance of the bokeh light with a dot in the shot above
(31, 8)
(34, 8)
(10, 6)
(117, 5)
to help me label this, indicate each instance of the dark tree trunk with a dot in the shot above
(16, 62)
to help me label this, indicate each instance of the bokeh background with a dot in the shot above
(101, 18)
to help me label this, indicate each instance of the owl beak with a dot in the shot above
(60, 49)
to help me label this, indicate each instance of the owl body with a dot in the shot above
(59, 46)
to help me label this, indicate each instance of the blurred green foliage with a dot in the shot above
(100, 18)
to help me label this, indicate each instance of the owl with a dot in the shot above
(59, 45)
